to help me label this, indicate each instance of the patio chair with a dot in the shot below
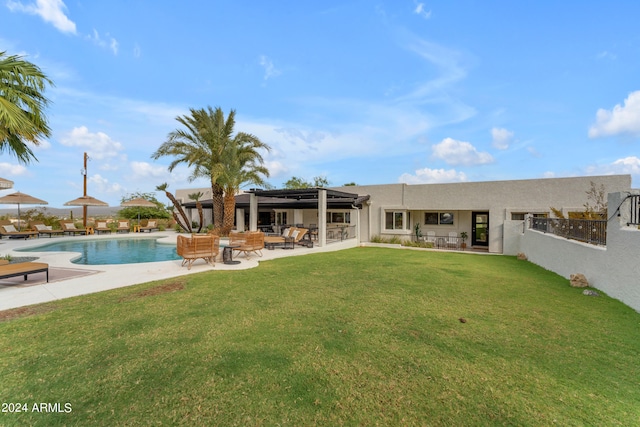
(69, 227)
(123, 226)
(452, 240)
(190, 248)
(431, 237)
(254, 242)
(101, 227)
(44, 230)
(149, 225)
(7, 229)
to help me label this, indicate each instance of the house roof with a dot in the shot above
(305, 198)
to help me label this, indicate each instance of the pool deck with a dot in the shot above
(89, 279)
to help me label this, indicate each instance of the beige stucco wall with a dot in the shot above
(613, 269)
(499, 198)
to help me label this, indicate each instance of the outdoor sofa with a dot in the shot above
(253, 242)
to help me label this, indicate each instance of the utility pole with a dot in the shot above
(84, 174)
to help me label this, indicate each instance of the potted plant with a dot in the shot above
(417, 231)
(464, 237)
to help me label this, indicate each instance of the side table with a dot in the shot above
(227, 254)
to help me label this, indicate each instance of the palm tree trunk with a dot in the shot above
(229, 211)
(218, 205)
(200, 215)
(182, 219)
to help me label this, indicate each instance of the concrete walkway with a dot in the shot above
(86, 279)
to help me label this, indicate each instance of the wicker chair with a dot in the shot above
(254, 242)
(190, 248)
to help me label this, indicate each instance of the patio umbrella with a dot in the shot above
(21, 199)
(5, 183)
(86, 201)
(138, 202)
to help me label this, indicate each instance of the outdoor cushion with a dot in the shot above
(151, 224)
(123, 224)
(48, 227)
(9, 228)
(102, 225)
(40, 227)
(70, 226)
(295, 234)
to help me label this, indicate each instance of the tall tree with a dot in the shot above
(297, 182)
(199, 145)
(22, 105)
(197, 196)
(179, 215)
(243, 164)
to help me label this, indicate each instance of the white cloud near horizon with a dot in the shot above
(51, 11)
(502, 138)
(622, 119)
(455, 153)
(9, 169)
(98, 145)
(433, 176)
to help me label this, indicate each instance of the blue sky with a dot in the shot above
(371, 92)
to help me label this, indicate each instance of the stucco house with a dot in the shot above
(491, 213)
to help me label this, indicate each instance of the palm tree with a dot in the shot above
(243, 164)
(180, 216)
(22, 119)
(200, 147)
(196, 197)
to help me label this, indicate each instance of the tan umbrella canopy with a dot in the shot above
(86, 201)
(21, 199)
(138, 202)
(5, 183)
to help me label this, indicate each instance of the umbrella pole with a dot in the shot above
(19, 222)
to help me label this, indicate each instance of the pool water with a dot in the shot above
(112, 251)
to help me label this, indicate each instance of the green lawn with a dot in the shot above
(367, 336)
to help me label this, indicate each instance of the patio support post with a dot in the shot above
(240, 226)
(253, 212)
(322, 217)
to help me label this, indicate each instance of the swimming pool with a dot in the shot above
(112, 251)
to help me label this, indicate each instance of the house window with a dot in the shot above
(281, 218)
(519, 216)
(441, 218)
(395, 220)
(338, 217)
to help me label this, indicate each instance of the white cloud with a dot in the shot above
(98, 145)
(9, 169)
(630, 165)
(620, 120)
(52, 11)
(460, 153)
(147, 170)
(502, 138)
(111, 43)
(103, 185)
(269, 69)
(420, 10)
(433, 176)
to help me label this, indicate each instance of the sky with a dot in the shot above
(366, 91)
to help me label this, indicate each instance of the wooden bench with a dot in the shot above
(23, 269)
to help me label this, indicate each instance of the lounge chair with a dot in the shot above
(69, 227)
(296, 235)
(254, 242)
(44, 230)
(149, 225)
(190, 248)
(7, 229)
(431, 237)
(101, 227)
(22, 269)
(123, 226)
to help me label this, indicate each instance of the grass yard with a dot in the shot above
(367, 336)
